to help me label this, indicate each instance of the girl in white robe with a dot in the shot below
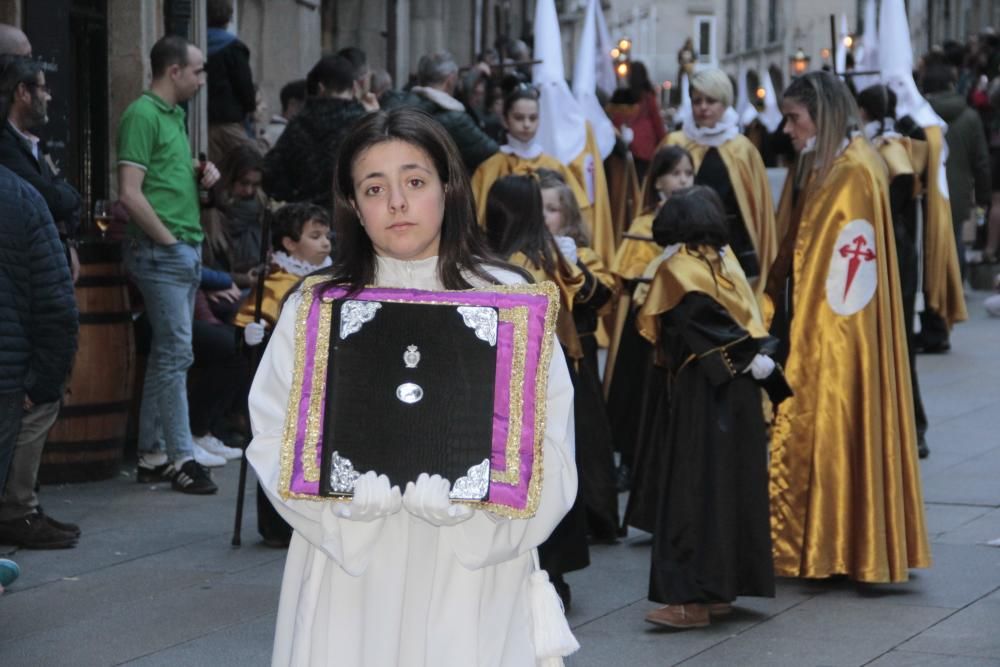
(408, 579)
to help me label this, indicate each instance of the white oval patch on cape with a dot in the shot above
(853, 275)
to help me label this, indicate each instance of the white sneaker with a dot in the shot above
(207, 458)
(213, 445)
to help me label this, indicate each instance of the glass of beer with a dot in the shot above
(102, 216)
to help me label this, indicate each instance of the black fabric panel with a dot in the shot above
(446, 432)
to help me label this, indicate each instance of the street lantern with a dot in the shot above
(798, 62)
(848, 41)
(621, 55)
(761, 93)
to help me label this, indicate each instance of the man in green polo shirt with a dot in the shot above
(158, 185)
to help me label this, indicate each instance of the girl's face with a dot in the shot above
(552, 208)
(399, 197)
(681, 176)
(246, 186)
(707, 110)
(799, 125)
(313, 245)
(521, 120)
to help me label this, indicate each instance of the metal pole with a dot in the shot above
(833, 42)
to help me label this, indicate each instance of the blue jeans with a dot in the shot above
(168, 277)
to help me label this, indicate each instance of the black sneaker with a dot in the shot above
(34, 532)
(148, 474)
(192, 478)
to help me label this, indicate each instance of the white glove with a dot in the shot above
(373, 499)
(253, 333)
(567, 247)
(627, 134)
(428, 500)
(761, 367)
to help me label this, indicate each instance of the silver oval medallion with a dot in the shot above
(409, 392)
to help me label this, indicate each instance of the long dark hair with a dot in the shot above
(879, 102)
(462, 248)
(664, 162)
(692, 216)
(515, 223)
(638, 80)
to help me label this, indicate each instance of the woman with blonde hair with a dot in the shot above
(845, 487)
(730, 164)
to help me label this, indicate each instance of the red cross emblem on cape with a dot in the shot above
(853, 273)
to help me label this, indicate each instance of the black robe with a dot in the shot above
(712, 541)
(713, 174)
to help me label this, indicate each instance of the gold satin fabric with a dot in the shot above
(569, 285)
(634, 255)
(277, 284)
(717, 276)
(601, 274)
(503, 164)
(942, 274)
(598, 217)
(845, 484)
(752, 189)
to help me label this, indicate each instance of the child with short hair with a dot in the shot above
(712, 541)
(300, 236)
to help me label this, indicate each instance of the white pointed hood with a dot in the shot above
(771, 115)
(866, 54)
(746, 110)
(607, 80)
(685, 110)
(896, 65)
(585, 85)
(562, 126)
(840, 54)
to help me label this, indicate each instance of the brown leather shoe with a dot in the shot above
(719, 609)
(681, 616)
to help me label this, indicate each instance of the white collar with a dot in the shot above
(526, 151)
(279, 120)
(414, 274)
(298, 267)
(32, 140)
(439, 97)
(887, 129)
(723, 131)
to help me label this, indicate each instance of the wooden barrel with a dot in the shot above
(88, 439)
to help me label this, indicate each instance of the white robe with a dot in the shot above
(398, 592)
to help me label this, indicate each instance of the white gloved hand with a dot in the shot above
(627, 134)
(253, 333)
(428, 500)
(373, 499)
(761, 367)
(567, 247)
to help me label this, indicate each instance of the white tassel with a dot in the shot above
(553, 638)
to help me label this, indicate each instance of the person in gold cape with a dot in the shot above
(522, 154)
(845, 485)
(711, 538)
(515, 227)
(905, 158)
(730, 164)
(628, 380)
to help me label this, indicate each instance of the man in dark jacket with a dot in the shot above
(25, 97)
(437, 75)
(38, 331)
(968, 164)
(231, 93)
(300, 166)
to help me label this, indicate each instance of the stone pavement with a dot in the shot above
(154, 580)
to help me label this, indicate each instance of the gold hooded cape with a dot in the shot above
(506, 164)
(718, 276)
(752, 189)
(598, 217)
(277, 284)
(845, 485)
(942, 275)
(569, 285)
